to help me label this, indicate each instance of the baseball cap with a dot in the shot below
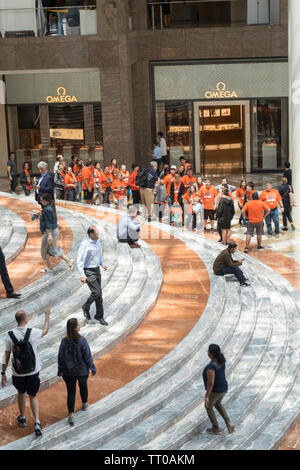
(173, 167)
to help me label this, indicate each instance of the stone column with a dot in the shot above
(294, 81)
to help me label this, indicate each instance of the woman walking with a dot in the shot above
(48, 227)
(216, 387)
(225, 213)
(240, 195)
(74, 363)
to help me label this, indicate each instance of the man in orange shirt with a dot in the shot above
(272, 198)
(88, 182)
(207, 194)
(255, 210)
(189, 179)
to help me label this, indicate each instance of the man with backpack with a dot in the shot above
(26, 365)
(146, 179)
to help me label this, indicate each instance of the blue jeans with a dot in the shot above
(275, 216)
(234, 270)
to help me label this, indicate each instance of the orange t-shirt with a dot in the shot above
(132, 182)
(255, 210)
(69, 179)
(104, 181)
(77, 173)
(208, 196)
(240, 194)
(192, 201)
(119, 189)
(87, 174)
(168, 180)
(188, 181)
(271, 198)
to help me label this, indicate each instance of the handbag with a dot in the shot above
(293, 200)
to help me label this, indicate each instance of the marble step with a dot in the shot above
(52, 287)
(13, 234)
(124, 312)
(143, 384)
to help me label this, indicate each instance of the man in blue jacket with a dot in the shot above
(45, 184)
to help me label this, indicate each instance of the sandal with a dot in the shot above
(214, 431)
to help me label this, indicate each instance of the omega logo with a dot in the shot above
(221, 92)
(61, 97)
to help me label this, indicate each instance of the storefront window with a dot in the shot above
(269, 133)
(174, 119)
(40, 132)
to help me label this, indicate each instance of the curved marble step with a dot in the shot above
(126, 300)
(13, 234)
(139, 387)
(52, 287)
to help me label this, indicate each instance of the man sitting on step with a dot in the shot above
(128, 230)
(224, 264)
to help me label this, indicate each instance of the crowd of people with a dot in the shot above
(174, 194)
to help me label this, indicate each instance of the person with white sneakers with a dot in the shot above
(22, 342)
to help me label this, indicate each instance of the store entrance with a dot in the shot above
(222, 138)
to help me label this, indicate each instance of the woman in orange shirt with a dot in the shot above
(124, 171)
(134, 188)
(97, 176)
(70, 185)
(240, 195)
(77, 169)
(119, 190)
(192, 201)
(113, 168)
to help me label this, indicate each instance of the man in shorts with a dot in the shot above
(26, 383)
(208, 194)
(255, 211)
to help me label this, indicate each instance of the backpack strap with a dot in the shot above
(12, 337)
(27, 334)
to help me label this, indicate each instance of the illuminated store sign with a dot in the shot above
(61, 97)
(220, 92)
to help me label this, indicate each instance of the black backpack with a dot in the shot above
(142, 178)
(72, 360)
(23, 355)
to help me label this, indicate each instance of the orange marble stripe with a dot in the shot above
(178, 308)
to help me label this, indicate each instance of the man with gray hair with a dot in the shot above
(26, 365)
(89, 260)
(45, 184)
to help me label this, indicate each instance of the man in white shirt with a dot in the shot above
(128, 230)
(28, 382)
(163, 147)
(89, 260)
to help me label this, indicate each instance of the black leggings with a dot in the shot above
(71, 389)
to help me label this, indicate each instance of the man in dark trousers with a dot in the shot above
(5, 278)
(12, 172)
(89, 260)
(224, 264)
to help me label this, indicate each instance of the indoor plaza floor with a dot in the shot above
(134, 354)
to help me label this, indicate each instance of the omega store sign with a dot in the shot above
(53, 88)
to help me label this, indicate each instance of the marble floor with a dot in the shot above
(282, 254)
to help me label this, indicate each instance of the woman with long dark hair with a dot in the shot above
(25, 179)
(216, 387)
(74, 363)
(49, 229)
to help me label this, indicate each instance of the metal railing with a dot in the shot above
(51, 21)
(200, 13)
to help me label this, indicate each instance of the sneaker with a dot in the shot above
(293, 227)
(246, 250)
(38, 429)
(285, 229)
(71, 265)
(214, 431)
(71, 420)
(46, 270)
(245, 284)
(276, 235)
(21, 422)
(85, 406)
